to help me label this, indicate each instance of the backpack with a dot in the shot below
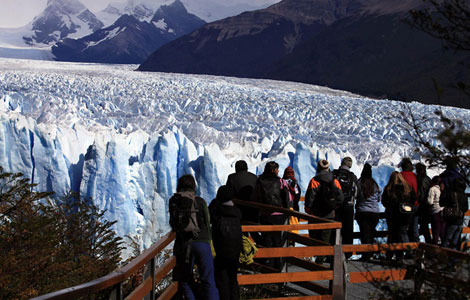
(248, 252)
(270, 191)
(328, 195)
(346, 180)
(227, 236)
(183, 210)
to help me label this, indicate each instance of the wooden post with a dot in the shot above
(337, 287)
(116, 293)
(149, 271)
(419, 277)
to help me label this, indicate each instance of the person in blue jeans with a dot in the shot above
(192, 247)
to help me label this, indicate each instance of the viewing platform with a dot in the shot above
(300, 278)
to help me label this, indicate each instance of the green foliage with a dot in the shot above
(46, 246)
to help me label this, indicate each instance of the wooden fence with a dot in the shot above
(260, 274)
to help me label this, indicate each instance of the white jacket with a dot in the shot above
(433, 199)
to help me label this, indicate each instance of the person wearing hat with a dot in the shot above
(294, 189)
(227, 236)
(352, 193)
(322, 196)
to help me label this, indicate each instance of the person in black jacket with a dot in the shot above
(396, 192)
(424, 209)
(227, 237)
(351, 189)
(270, 189)
(242, 184)
(455, 197)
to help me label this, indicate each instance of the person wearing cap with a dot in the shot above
(352, 193)
(316, 203)
(227, 236)
(294, 189)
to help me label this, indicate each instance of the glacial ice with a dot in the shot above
(123, 137)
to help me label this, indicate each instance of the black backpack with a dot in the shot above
(183, 209)
(328, 194)
(227, 236)
(346, 180)
(270, 191)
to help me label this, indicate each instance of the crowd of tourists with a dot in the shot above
(412, 202)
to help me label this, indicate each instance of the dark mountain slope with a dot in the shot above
(379, 56)
(249, 43)
(361, 46)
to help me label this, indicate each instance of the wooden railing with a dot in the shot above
(335, 274)
(115, 280)
(153, 275)
(295, 255)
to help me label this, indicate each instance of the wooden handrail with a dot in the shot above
(270, 208)
(312, 248)
(113, 278)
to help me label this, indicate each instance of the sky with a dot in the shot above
(16, 13)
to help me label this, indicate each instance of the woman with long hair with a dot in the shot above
(398, 192)
(367, 208)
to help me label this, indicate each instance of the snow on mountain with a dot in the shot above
(208, 10)
(60, 19)
(123, 137)
(129, 40)
(142, 10)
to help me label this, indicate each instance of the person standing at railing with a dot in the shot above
(189, 218)
(272, 190)
(367, 209)
(351, 189)
(242, 183)
(424, 209)
(398, 198)
(410, 177)
(294, 189)
(455, 198)
(227, 237)
(322, 197)
(437, 222)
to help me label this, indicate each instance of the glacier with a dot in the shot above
(122, 137)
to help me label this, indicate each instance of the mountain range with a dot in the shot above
(129, 40)
(363, 46)
(123, 32)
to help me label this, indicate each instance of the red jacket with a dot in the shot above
(410, 177)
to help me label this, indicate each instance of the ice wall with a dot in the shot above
(133, 176)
